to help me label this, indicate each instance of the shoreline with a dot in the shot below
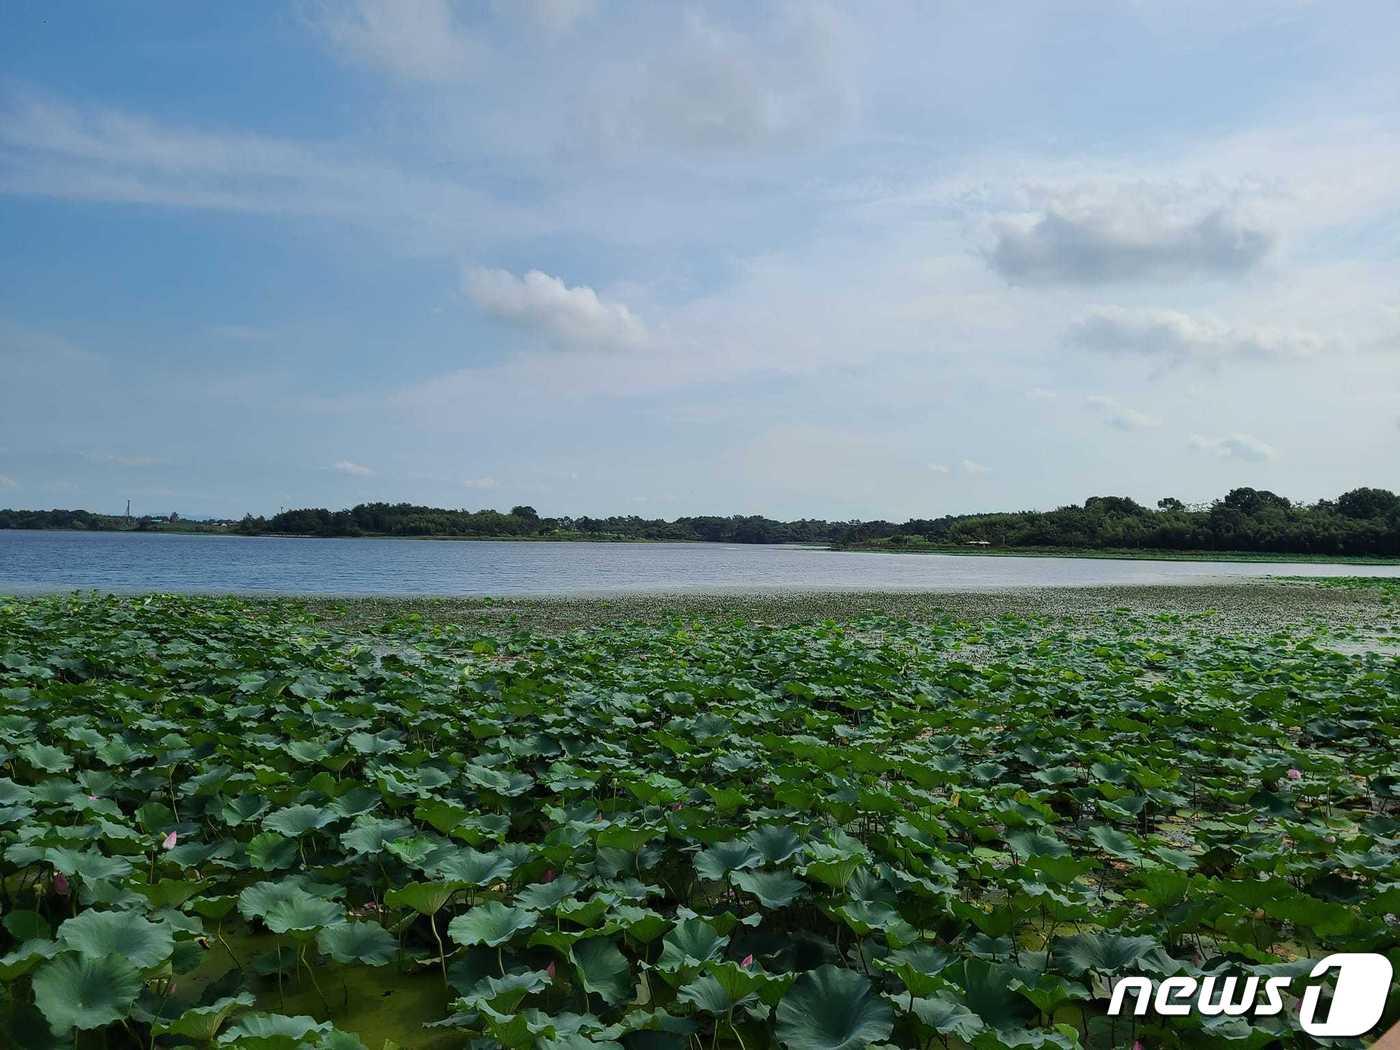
(1265, 604)
(1107, 554)
(1122, 554)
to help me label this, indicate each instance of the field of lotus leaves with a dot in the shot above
(238, 826)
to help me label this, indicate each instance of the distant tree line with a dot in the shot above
(1364, 521)
(406, 519)
(87, 521)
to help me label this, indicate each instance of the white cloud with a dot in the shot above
(1040, 393)
(480, 483)
(1177, 337)
(51, 149)
(552, 16)
(1120, 416)
(1235, 446)
(1112, 243)
(572, 318)
(354, 470)
(411, 39)
(774, 82)
(7, 482)
(939, 468)
(973, 468)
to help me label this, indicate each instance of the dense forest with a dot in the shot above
(1364, 521)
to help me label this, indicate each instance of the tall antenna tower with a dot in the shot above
(128, 512)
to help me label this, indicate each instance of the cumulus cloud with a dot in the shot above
(411, 39)
(1102, 244)
(972, 468)
(479, 483)
(354, 470)
(1235, 446)
(1120, 416)
(939, 468)
(1177, 337)
(571, 318)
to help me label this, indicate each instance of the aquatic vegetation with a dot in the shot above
(228, 824)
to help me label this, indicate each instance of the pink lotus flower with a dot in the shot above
(170, 840)
(550, 970)
(746, 961)
(1295, 774)
(1137, 1044)
(548, 875)
(60, 883)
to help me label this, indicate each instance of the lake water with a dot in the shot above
(132, 561)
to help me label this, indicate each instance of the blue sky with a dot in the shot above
(798, 259)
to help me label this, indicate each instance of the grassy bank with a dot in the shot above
(280, 823)
(1134, 554)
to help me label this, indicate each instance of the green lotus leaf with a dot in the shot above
(709, 996)
(832, 1009)
(490, 924)
(81, 991)
(918, 967)
(28, 955)
(1026, 843)
(13, 794)
(774, 889)
(723, 857)
(1113, 841)
(96, 934)
(471, 868)
(384, 743)
(426, 898)
(690, 943)
(775, 843)
(946, 1016)
(301, 912)
(269, 851)
(358, 942)
(295, 821)
(603, 970)
(242, 809)
(24, 924)
(307, 751)
(255, 900)
(1101, 952)
(358, 800)
(544, 896)
(505, 993)
(371, 834)
(988, 992)
(264, 1031)
(202, 1023)
(87, 865)
(46, 757)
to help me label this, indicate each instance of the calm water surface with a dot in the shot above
(130, 561)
